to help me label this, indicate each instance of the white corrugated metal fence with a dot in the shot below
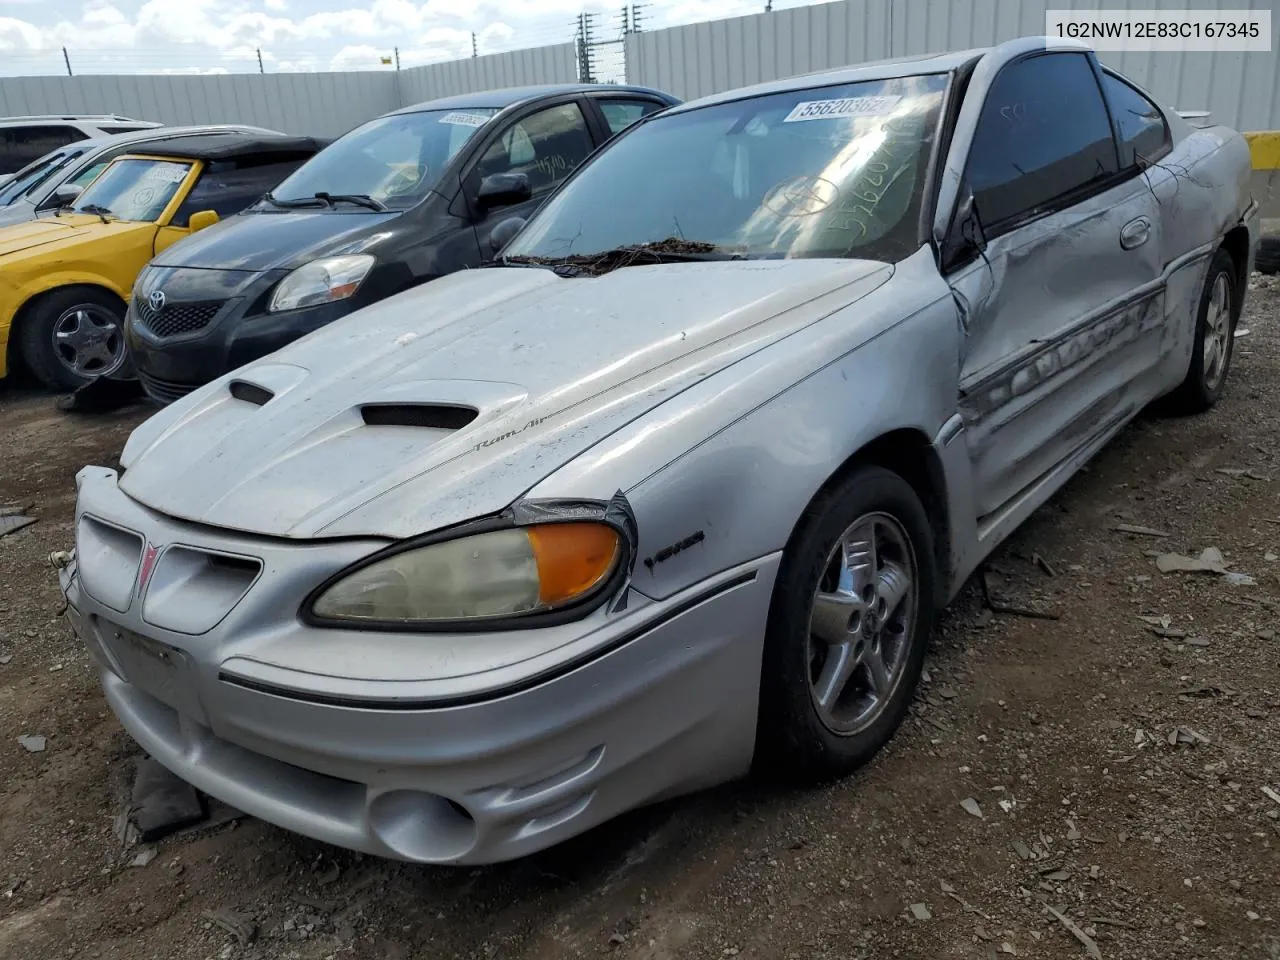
(1242, 89)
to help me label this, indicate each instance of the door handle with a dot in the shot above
(1135, 233)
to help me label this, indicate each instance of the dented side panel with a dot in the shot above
(1064, 330)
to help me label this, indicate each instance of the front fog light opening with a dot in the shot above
(423, 827)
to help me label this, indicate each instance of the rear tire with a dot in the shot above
(1214, 339)
(72, 335)
(848, 628)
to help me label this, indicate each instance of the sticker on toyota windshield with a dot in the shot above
(835, 109)
(465, 119)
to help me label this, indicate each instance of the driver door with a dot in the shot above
(1062, 309)
(546, 146)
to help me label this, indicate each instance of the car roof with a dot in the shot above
(91, 118)
(875, 70)
(229, 146)
(167, 133)
(503, 97)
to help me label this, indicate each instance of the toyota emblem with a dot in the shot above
(156, 300)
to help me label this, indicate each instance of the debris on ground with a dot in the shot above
(14, 518)
(1209, 561)
(239, 925)
(143, 857)
(32, 742)
(162, 802)
(971, 807)
(1138, 530)
(921, 912)
(1090, 947)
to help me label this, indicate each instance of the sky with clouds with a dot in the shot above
(215, 36)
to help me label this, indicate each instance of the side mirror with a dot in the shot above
(201, 219)
(964, 239)
(503, 190)
(65, 195)
(501, 235)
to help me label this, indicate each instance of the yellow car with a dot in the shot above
(65, 278)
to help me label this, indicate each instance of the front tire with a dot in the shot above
(72, 335)
(848, 628)
(1214, 338)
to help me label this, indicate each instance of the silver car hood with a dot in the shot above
(550, 366)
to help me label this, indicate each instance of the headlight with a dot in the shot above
(321, 281)
(486, 576)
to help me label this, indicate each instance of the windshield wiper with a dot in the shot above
(95, 208)
(671, 250)
(297, 202)
(324, 199)
(359, 199)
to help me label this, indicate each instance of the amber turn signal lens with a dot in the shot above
(572, 558)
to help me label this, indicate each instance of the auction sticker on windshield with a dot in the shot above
(845, 107)
(167, 172)
(465, 119)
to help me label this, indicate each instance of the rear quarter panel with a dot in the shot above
(1202, 186)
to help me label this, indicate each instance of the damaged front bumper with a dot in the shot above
(251, 705)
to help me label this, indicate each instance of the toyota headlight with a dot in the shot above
(486, 576)
(321, 281)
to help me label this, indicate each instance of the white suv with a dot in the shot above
(23, 139)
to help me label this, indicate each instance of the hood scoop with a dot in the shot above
(434, 416)
(249, 392)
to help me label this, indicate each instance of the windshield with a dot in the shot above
(830, 172)
(395, 160)
(133, 189)
(34, 174)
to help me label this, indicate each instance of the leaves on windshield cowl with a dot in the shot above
(670, 250)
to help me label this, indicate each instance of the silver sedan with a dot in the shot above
(674, 489)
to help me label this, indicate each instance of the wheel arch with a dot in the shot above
(1236, 244)
(909, 453)
(22, 315)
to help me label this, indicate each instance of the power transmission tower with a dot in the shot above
(586, 41)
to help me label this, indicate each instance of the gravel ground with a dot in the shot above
(1117, 755)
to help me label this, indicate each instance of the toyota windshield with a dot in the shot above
(392, 161)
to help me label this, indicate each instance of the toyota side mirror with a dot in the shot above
(503, 190)
(201, 219)
(66, 194)
(501, 235)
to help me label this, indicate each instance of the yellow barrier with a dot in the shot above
(1264, 148)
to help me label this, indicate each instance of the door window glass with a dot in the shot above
(1043, 134)
(1144, 135)
(620, 114)
(227, 188)
(20, 145)
(546, 147)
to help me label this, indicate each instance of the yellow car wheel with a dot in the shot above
(71, 335)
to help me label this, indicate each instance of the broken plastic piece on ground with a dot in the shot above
(13, 520)
(162, 802)
(102, 395)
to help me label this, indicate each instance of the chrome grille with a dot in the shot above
(175, 319)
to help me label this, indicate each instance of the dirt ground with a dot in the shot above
(1118, 755)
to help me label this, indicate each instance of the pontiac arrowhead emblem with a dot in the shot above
(148, 567)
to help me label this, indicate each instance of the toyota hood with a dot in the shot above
(258, 240)
(450, 400)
